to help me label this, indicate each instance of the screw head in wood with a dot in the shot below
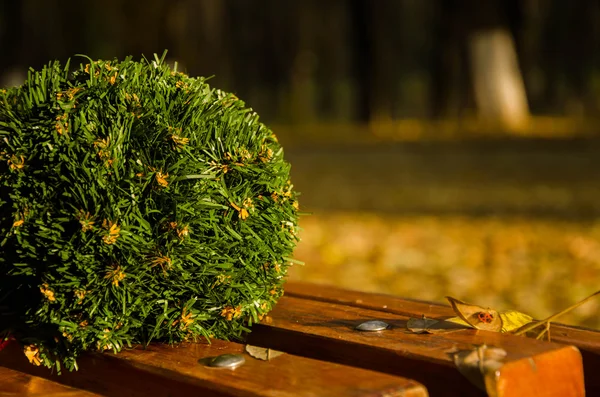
(230, 361)
(372, 326)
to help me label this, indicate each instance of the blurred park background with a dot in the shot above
(443, 147)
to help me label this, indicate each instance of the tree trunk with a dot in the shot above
(497, 81)
(11, 38)
(362, 57)
(476, 57)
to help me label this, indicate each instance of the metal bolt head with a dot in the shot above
(372, 326)
(230, 361)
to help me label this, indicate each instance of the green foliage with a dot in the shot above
(136, 204)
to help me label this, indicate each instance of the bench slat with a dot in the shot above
(326, 331)
(586, 340)
(162, 370)
(14, 383)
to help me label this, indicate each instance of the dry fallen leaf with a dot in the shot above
(512, 320)
(477, 316)
(420, 325)
(477, 363)
(262, 353)
(458, 320)
(426, 325)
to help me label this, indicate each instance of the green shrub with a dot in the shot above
(136, 204)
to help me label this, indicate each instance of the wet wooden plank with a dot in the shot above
(586, 340)
(326, 331)
(163, 370)
(15, 383)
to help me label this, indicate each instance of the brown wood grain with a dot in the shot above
(162, 370)
(588, 341)
(14, 383)
(324, 330)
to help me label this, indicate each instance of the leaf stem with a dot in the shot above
(534, 325)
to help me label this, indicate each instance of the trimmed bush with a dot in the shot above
(136, 204)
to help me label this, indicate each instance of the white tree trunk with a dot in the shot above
(498, 83)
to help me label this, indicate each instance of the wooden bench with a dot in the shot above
(327, 356)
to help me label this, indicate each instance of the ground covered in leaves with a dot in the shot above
(534, 265)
